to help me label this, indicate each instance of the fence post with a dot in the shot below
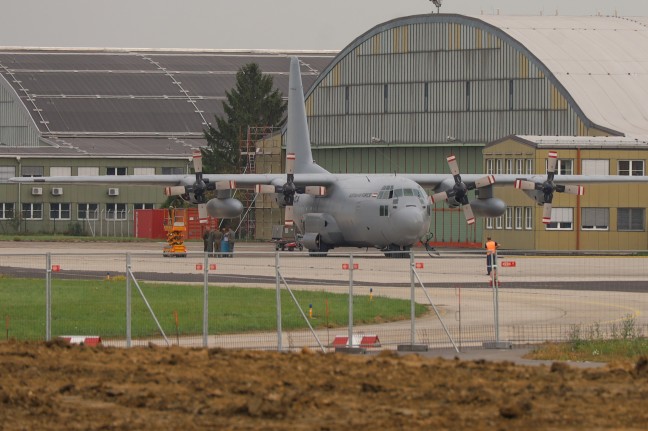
(128, 300)
(278, 292)
(412, 301)
(350, 341)
(48, 297)
(205, 329)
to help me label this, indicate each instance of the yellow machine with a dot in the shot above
(175, 225)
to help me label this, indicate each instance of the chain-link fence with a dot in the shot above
(290, 300)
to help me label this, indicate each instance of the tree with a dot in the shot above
(253, 102)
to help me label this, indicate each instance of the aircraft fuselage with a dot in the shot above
(373, 211)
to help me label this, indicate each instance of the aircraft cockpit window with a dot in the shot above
(383, 194)
(398, 193)
(417, 193)
(391, 194)
(408, 192)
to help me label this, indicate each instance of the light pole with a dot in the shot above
(437, 3)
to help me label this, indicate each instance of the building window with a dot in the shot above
(7, 172)
(595, 218)
(631, 167)
(87, 211)
(489, 222)
(467, 95)
(498, 222)
(426, 91)
(508, 218)
(518, 218)
(346, 99)
(529, 166)
(630, 219)
(509, 166)
(115, 211)
(144, 171)
(172, 170)
(563, 167)
(116, 171)
(32, 171)
(561, 219)
(519, 166)
(528, 218)
(60, 171)
(6, 211)
(143, 206)
(32, 211)
(498, 166)
(88, 171)
(595, 167)
(386, 98)
(60, 211)
(489, 166)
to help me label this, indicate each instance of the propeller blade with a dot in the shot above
(525, 185)
(197, 161)
(485, 181)
(572, 190)
(202, 211)
(288, 219)
(290, 163)
(264, 188)
(551, 165)
(546, 213)
(315, 190)
(226, 185)
(174, 191)
(438, 197)
(454, 167)
(468, 212)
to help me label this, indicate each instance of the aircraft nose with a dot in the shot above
(407, 223)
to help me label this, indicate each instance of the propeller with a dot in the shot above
(199, 187)
(548, 187)
(460, 189)
(288, 190)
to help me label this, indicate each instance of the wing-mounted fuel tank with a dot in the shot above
(321, 228)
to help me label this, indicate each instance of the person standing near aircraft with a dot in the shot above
(491, 254)
(218, 237)
(225, 245)
(232, 241)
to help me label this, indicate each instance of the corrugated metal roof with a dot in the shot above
(118, 94)
(602, 61)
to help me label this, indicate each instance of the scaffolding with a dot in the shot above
(258, 143)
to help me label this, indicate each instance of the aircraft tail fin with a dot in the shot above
(298, 136)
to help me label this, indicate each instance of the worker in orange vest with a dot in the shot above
(491, 254)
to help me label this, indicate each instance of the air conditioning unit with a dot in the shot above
(37, 191)
(57, 191)
(113, 192)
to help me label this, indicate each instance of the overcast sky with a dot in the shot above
(245, 24)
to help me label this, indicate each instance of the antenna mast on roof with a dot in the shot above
(437, 3)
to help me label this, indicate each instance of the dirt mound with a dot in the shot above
(54, 386)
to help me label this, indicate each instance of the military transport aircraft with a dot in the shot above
(390, 212)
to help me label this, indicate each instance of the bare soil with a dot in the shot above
(55, 386)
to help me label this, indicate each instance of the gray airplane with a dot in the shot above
(390, 212)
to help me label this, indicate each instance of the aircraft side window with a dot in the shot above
(398, 193)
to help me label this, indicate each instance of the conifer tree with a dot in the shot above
(253, 102)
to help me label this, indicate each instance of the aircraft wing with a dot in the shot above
(433, 180)
(245, 180)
